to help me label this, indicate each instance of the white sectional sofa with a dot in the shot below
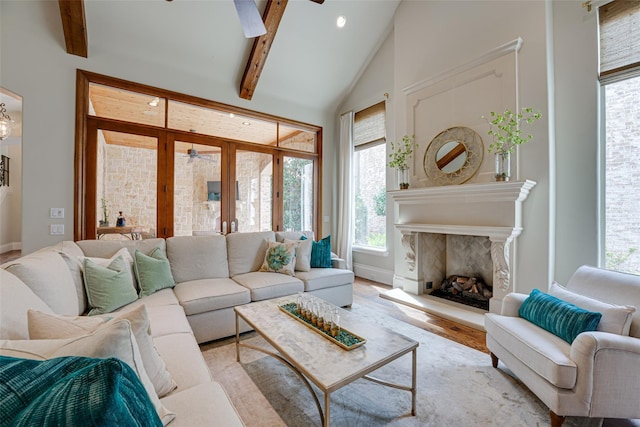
(213, 274)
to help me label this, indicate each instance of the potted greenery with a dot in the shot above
(399, 157)
(104, 222)
(505, 129)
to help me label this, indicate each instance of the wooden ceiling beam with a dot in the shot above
(261, 45)
(74, 26)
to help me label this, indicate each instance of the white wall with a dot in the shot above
(36, 65)
(434, 36)
(576, 132)
(558, 57)
(370, 88)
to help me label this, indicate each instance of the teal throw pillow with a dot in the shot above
(153, 271)
(73, 391)
(320, 253)
(559, 317)
(108, 288)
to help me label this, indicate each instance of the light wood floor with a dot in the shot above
(367, 293)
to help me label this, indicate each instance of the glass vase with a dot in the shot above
(403, 178)
(503, 166)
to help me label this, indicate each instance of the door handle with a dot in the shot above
(224, 227)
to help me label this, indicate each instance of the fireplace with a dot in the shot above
(463, 230)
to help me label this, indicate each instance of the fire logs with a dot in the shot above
(472, 287)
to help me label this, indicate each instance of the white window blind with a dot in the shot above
(369, 125)
(619, 37)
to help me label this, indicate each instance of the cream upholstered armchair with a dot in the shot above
(597, 374)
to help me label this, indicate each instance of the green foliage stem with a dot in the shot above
(401, 153)
(505, 129)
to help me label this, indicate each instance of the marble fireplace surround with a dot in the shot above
(492, 210)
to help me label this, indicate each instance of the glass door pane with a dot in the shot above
(126, 181)
(298, 206)
(254, 191)
(198, 196)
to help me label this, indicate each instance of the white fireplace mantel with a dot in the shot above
(492, 210)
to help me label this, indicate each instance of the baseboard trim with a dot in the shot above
(8, 247)
(373, 273)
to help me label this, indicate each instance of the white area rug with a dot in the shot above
(457, 386)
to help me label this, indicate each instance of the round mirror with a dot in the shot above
(451, 156)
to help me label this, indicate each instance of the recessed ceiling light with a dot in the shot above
(341, 21)
(154, 102)
(231, 115)
(246, 123)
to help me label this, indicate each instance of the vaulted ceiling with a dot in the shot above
(303, 58)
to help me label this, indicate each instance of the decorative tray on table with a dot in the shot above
(344, 338)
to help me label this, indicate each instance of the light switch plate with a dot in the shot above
(57, 213)
(57, 229)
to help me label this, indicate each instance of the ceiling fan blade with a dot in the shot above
(250, 18)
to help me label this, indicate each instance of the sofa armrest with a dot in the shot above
(511, 304)
(606, 363)
(338, 263)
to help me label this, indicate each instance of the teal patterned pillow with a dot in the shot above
(559, 317)
(320, 253)
(280, 258)
(56, 392)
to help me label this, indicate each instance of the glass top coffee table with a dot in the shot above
(314, 358)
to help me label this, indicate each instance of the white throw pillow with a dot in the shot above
(616, 319)
(303, 253)
(116, 339)
(53, 326)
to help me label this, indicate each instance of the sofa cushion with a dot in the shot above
(281, 236)
(545, 353)
(106, 248)
(280, 258)
(269, 285)
(47, 275)
(54, 392)
(245, 251)
(13, 311)
(184, 360)
(303, 253)
(558, 317)
(153, 271)
(615, 319)
(199, 296)
(47, 326)
(200, 257)
(161, 298)
(108, 288)
(114, 340)
(212, 402)
(321, 278)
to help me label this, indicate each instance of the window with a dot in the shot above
(180, 165)
(369, 178)
(620, 77)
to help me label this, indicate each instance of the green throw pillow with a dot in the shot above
(57, 391)
(108, 288)
(153, 271)
(320, 253)
(561, 318)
